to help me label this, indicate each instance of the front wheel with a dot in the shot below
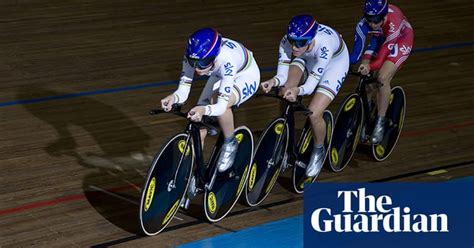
(267, 162)
(161, 194)
(347, 130)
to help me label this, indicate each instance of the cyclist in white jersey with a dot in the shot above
(321, 51)
(234, 77)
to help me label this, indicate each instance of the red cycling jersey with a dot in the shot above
(398, 42)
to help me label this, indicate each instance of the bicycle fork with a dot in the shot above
(273, 159)
(172, 183)
(193, 189)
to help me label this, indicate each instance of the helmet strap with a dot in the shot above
(310, 46)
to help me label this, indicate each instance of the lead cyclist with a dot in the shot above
(234, 77)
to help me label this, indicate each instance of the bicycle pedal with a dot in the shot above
(193, 190)
(193, 193)
(185, 203)
(300, 164)
(390, 123)
(209, 186)
(235, 177)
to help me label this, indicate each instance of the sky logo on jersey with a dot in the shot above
(325, 30)
(405, 50)
(393, 50)
(389, 214)
(324, 53)
(249, 89)
(228, 68)
(392, 27)
(340, 82)
(230, 45)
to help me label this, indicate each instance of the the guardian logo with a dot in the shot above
(367, 213)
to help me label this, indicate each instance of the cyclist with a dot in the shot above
(390, 46)
(321, 51)
(234, 77)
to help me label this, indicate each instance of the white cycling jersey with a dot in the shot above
(235, 71)
(327, 63)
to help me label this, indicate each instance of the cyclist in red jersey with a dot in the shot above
(390, 46)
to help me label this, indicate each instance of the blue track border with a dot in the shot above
(160, 84)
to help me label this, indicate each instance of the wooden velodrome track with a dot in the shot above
(78, 78)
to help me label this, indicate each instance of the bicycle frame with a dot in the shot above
(289, 119)
(379, 152)
(193, 135)
(362, 92)
(179, 180)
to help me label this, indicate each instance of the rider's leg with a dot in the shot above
(328, 87)
(226, 120)
(229, 148)
(385, 76)
(208, 97)
(369, 89)
(203, 133)
(246, 84)
(397, 55)
(318, 104)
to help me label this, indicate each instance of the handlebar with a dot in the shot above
(207, 121)
(369, 78)
(175, 109)
(274, 93)
(297, 105)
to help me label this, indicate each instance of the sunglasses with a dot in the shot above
(373, 19)
(299, 42)
(201, 63)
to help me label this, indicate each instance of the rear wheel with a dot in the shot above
(305, 150)
(228, 186)
(393, 126)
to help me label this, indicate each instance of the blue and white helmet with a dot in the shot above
(203, 47)
(375, 10)
(302, 28)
